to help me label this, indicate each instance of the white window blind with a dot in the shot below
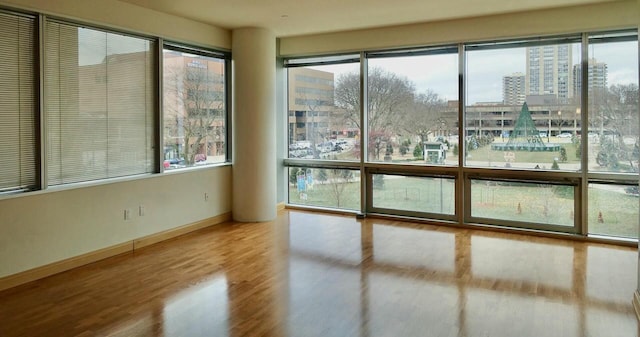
(99, 101)
(18, 114)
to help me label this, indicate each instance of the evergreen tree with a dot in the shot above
(404, 147)
(389, 149)
(417, 152)
(563, 155)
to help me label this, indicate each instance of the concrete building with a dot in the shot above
(311, 104)
(513, 89)
(549, 71)
(597, 77)
(500, 119)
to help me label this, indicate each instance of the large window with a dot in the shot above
(99, 103)
(324, 187)
(548, 137)
(18, 123)
(613, 103)
(522, 107)
(324, 108)
(412, 106)
(524, 202)
(612, 135)
(195, 107)
(435, 195)
(83, 104)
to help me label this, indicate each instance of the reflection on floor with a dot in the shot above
(313, 274)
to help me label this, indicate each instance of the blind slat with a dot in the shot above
(97, 105)
(18, 136)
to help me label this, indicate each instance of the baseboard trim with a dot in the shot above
(37, 273)
(280, 206)
(636, 304)
(63, 265)
(178, 231)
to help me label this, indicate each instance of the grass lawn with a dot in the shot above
(543, 159)
(538, 203)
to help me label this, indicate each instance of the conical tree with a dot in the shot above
(525, 135)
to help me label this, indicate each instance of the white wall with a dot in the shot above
(42, 227)
(611, 15)
(121, 15)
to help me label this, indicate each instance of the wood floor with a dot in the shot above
(314, 274)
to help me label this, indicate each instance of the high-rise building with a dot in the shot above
(549, 71)
(597, 76)
(513, 89)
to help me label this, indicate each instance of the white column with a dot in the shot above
(254, 125)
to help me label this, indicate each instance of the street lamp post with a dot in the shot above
(559, 122)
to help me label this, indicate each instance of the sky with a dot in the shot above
(486, 68)
(94, 44)
(438, 73)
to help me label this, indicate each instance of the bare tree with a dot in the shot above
(390, 97)
(615, 116)
(426, 116)
(338, 182)
(197, 114)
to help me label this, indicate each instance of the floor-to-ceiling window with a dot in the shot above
(324, 131)
(538, 133)
(521, 165)
(612, 143)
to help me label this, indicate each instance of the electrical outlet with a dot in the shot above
(141, 210)
(127, 214)
(206, 196)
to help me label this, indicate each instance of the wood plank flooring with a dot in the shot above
(313, 274)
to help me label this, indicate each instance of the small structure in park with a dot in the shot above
(434, 152)
(525, 136)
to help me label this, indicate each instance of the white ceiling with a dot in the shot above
(302, 17)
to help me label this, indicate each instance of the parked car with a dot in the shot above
(565, 135)
(200, 157)
(173, 163)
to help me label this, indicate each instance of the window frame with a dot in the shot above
(154, 43)
(223, 55)
(463, 174)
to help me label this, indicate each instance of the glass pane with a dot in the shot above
(613, 107)
(523, 202)
(522, 109)
(415, 194)
(613, 210)
(324, 112)
(334, 188)
(194, 107)
(413, 115)
(99, 104)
